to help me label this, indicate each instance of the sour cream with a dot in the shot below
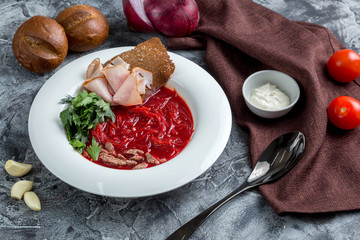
(269, 97)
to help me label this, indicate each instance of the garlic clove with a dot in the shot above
(20, 188)
(32, 201)
(17, 169)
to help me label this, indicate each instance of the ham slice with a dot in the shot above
(128, 94)
(99, 85)
(146, 75)
(94, 69)
(116, 84)
(116, 75)
(119, 61)
(140, 84)
(144, 79)
(96, 81)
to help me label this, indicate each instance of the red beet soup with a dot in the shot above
(145, 135)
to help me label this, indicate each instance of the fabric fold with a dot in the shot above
(242, 37)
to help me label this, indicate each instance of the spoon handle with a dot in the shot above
(188, 228)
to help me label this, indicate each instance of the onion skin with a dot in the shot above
(136, 16)
(173, 18)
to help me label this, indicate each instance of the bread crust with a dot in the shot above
(85, 26)
(40, 44)
(150, 55)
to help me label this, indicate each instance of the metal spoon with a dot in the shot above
(278, 158)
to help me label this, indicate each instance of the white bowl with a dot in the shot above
(212, 125)
(283, 81)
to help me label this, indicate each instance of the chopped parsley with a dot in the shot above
(94, 149)
(85, 111)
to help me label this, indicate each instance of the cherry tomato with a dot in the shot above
(344, 65)
(344, 112)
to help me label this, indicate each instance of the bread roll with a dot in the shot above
(40, 44)
(85, 27)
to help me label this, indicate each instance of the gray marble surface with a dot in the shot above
(69, 213)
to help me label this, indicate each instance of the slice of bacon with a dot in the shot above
(128, 94)
(99, 86)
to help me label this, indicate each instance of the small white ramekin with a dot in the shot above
(283, 81)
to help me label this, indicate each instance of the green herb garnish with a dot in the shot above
(85, 111)
(94, 149)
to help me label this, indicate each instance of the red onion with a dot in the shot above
(136, 16)
(173, 18)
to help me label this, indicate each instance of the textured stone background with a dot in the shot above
(69, 213)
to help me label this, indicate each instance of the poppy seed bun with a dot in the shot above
(40, 44)
(85, 27)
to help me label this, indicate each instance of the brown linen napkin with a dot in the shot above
(242, 37)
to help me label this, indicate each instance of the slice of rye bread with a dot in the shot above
(150, 55)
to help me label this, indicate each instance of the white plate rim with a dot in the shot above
(212, 124)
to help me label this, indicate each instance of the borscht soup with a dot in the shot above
(145, 135)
